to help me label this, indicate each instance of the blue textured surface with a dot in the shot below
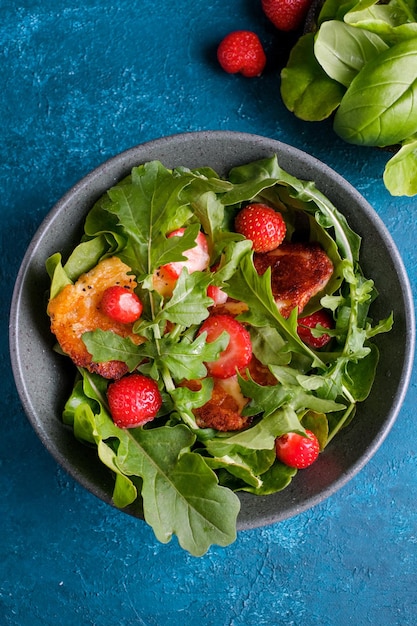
(81, 83)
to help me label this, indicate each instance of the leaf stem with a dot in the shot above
(167, 378)
(407, 10)
(341, 423)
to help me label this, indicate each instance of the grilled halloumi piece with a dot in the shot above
(299, 271)
(223, 410)
(76, 310)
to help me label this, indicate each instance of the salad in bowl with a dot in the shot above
(222, 332)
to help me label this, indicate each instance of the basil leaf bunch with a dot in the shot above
(187, 477)
(360, 65)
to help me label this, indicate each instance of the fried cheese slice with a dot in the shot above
(299, 271)
(76, 310)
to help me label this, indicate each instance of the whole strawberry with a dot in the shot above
(305, 324)
(242, 52)
(264, 226)
(297, 451)
(133, 400)
(286, 15)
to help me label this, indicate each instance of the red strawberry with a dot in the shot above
(121, 304)
(297, 451)
(264, 226)
(218, 295)
(198, 257)
(133, 400)
(320, 318)
(241, 51)
(238, 352)
(286, 15)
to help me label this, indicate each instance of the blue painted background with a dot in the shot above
(80, 83)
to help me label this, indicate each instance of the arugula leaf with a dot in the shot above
(180, 492)
(277, 478)
(260, 436)
(318, 424)
(189, 302)
(249, 180)
(105, 345)
(183, 358)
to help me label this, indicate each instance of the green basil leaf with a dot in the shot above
(378, 108)
(394, 21)
(335, 9)
(400, 175)
(343, 50)
(306, 89)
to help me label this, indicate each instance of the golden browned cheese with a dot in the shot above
(223, 410)
(299, 271)
(76, 310)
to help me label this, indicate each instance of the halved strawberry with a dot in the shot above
(133, 400)
(297, 451)
(305, 324)
(121, 304)
(264, 226)
(216, 294)
(238, 352)
(197, 258)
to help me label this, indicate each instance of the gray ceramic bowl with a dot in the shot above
(44, 379)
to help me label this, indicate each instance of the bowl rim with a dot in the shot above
(120, 160)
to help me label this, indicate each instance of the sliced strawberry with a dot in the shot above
(242, 52)
(265, 227)
(197, 258)
(297, 451)
(305, 324)
(216, 294)
(133, 400)
(121, 304)
(238, 352)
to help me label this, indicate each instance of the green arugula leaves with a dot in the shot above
(361, 64)
(187, 476)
